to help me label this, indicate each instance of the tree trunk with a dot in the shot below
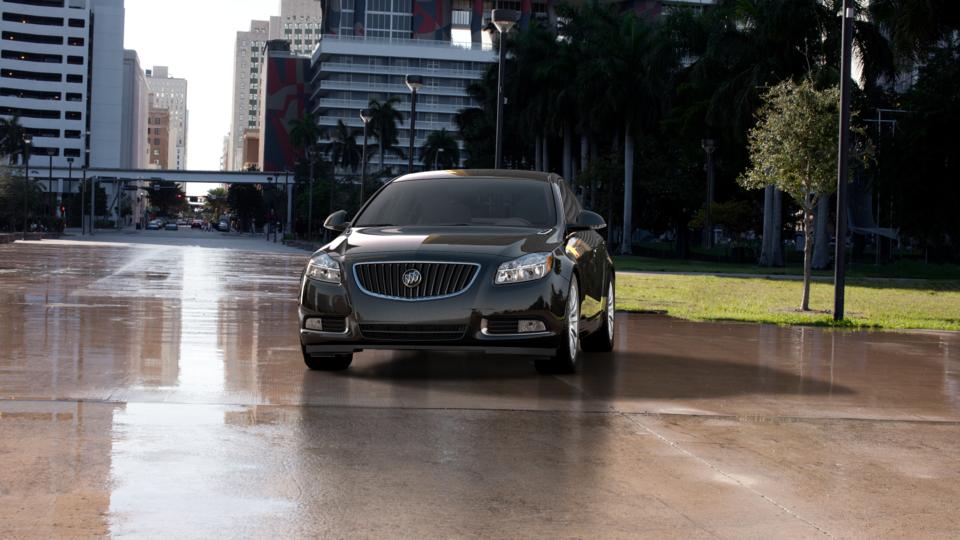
(537, 154)
(821, 246)
(807, 257)
(626, 243)
(766, 247)
(546, 153)
(777, 248)
(568, 151)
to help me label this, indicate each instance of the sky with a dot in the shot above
(195, 39)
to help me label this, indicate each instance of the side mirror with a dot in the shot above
(337, 221)
(587, 221)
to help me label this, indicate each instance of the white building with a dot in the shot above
(349, 71)
(299, 23)
(247, 62)
(62, 72)
(170, 93)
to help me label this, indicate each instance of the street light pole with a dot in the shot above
(414, 83)
(365, 115)
(83, 201)
(503, 19)
(27, 141)
(69, 185)
(839, 276)
(50, 210)
(709, 146)
(311, 155)
(436, 157)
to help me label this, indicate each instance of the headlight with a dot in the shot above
(322, 267)
(527, 268)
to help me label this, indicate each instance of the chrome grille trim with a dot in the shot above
(441, 279)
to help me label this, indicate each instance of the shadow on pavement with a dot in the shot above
(624, 375)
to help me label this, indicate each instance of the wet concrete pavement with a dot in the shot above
(155, 390)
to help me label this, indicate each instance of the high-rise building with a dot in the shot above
(136, 105)
(349, 71)
(248, 59)
(170, 93)
(300, 23)
(62, 72)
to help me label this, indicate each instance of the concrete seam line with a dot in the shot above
(718, 470)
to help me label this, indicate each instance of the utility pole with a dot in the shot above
(839, 277)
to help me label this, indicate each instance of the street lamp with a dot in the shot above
(27, 141)
(414, 83)
(709, 146)
(839, 266)
(503, 19)
(436, 157)
(312, 156)
(69, 184)
(366, 115)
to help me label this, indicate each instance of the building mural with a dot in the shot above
(285, 95)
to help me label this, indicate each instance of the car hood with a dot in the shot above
(503, 242)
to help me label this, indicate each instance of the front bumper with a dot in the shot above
(379, 323)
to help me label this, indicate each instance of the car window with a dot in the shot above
(571, 205)
(499, 202)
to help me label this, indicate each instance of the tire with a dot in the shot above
(565, 359)
(336, 362)
(602, 339)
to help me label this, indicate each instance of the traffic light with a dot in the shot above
(63, 210)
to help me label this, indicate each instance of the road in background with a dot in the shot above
(157, 389)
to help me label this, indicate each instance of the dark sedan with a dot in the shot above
(504, 262)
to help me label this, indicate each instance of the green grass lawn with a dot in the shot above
(901, 269)
(873, 303)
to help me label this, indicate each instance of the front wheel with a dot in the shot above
(602, 339)
(335, 362)
(565, 359)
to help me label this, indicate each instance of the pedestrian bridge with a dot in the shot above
(133, 175)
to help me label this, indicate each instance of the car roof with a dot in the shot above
(482, 173)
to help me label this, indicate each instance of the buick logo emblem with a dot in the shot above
(411, 278)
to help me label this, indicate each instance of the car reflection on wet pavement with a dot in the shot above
(156, 390)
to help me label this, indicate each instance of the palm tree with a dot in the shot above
(643, 65)
(384, 126)
(343, 149)
(440, 150)
(11, 137)
(304, 132)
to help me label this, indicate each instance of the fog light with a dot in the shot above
(531, 326)
(314, 324)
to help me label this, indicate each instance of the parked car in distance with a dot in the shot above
(154, 225)
(196, 224)
(171, 226)
(496, 261)
(223, 226)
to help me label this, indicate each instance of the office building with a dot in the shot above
(158, 129)
(136, 105)
(248, 59)
(63, 73)
(300, 23)
(170, 94)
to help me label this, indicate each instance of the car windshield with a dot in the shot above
(460, 201)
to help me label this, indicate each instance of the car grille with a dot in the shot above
(503, 326)
(413, 332)
(438, 279)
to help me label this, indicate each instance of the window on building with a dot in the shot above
(23, 18)
(32, 38)
(75, 41)
(75, 60)
(78, 23)
(75, 78)
(74, 115)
